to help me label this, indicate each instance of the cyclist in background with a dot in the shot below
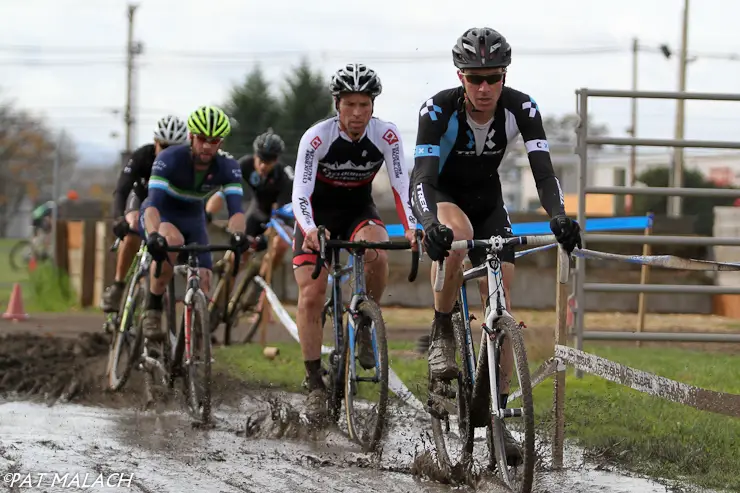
(267, 185)
(130, 192)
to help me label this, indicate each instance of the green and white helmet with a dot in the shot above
(210, 122)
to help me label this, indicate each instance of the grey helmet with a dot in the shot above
(481, 48)
(355, 77)
(268, 146)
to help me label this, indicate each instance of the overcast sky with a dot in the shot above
(78, 77)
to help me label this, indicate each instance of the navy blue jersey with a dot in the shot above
(175, 188)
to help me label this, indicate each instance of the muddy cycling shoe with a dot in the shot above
(365, 348)
(111, 299)
(514, 456)
(442, 364)
(152, 325)
(316, 410)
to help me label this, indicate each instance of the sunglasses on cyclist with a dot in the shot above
(212, 140)
(477, 79)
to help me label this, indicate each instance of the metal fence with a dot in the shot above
(581, 286)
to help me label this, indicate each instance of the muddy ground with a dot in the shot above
(57, 417)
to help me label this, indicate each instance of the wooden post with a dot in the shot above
(88, 264)
(561, 315)
(265, 305)
(62, 247)
(644, 274)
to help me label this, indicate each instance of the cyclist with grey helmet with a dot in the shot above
(130, 192)
(464, 133)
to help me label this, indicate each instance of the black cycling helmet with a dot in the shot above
(481, 47)
(268, 146)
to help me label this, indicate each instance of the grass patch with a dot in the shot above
(644, 433)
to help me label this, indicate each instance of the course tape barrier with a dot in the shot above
(698, 398)
(394, 382)
(666, 261)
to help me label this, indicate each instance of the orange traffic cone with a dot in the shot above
(32, 263)
(15, 307)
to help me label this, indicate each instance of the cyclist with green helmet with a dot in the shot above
(173, 213)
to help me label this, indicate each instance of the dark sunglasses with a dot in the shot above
(477, 79)
(163, 146)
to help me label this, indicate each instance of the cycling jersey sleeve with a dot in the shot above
(393, 155)
(159, 181)
(434, 119)
(306, 167)
(130, 174)
(286, 187)
(529, 121)
(231, 183)
(246, 164)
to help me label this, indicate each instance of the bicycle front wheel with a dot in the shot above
(519, 476)
(366, 420)
(198, 360)
(126, 345)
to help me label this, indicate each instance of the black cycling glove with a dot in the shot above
(438, 241)
(239, 241)
(567, 231)
(120, 228)
(156, 245)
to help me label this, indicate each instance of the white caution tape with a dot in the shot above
(394, 383)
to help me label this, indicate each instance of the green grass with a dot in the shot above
(613, 423)
(44, 290)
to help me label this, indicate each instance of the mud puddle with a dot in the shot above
(259, 442)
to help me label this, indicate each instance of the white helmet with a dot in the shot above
(171, 130)
(355, 77)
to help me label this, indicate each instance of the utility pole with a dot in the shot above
(132, 49)
(674, 203)
(633, 126)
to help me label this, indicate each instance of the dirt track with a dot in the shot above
(57, 359)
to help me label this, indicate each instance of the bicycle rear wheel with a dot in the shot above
(521, 477)
(366, 421)
(454, 443)
(198, 366)
(126, 343)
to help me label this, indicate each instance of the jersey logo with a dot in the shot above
(316, 142)
(289, 172)
(471, 139)
(430, 109)
(254, 179)
(531, 106)
(489, 140)
(390, 137)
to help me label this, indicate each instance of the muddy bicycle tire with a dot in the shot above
(198, 388)
(131, 334)
(495, 437)
(464, 398)
(369, 437)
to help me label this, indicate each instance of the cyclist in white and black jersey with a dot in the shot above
(464, 134)
(337, 161)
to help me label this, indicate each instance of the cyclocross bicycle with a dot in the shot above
(126, 338)
(186, 352)
(478, 383)
(244, 299)
(365, 423)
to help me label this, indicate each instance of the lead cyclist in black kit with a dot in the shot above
(456, 192)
